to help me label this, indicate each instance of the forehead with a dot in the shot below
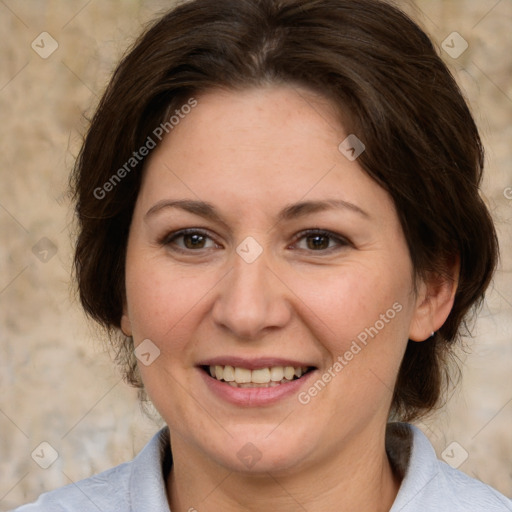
(258, 147)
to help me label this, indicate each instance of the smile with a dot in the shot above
(267, 377)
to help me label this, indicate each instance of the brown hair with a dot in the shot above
(397, 95)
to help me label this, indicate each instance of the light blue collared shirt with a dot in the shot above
(428, 485)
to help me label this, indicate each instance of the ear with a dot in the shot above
(435, 297)
(126, 325)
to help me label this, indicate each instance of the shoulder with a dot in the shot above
(430, 484)
(99, 492)
(116, 490)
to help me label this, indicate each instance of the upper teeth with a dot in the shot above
(259, 376)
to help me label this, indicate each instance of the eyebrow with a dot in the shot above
(290, 212)
(303, 208)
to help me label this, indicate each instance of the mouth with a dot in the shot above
(264, 377)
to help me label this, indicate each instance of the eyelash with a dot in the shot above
(342, 242)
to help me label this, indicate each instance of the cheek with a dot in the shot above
(351, 300)
(161, 298)
(360, 315)
(361, 319)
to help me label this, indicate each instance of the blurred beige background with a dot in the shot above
(58, 384)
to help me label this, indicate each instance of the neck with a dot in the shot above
(357, 478)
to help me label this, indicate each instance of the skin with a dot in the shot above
(251, 153)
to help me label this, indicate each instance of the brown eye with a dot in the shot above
(188, 240)
(320, 241)
(315, 242)
(194, 241)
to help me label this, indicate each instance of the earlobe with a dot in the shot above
(126, 325)
(435, 300)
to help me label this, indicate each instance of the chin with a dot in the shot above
(262, 453)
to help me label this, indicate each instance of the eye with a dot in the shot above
(319, 241)
(189, 240)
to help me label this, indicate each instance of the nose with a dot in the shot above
(252, 300)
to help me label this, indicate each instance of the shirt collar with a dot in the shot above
(147, 479)
(417, 460)
(410, 452)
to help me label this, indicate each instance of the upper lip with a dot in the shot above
(253, 363)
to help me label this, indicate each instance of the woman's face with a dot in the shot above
(292, 257)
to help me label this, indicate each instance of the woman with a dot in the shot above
(279, 211)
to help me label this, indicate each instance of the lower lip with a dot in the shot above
(254, 397)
